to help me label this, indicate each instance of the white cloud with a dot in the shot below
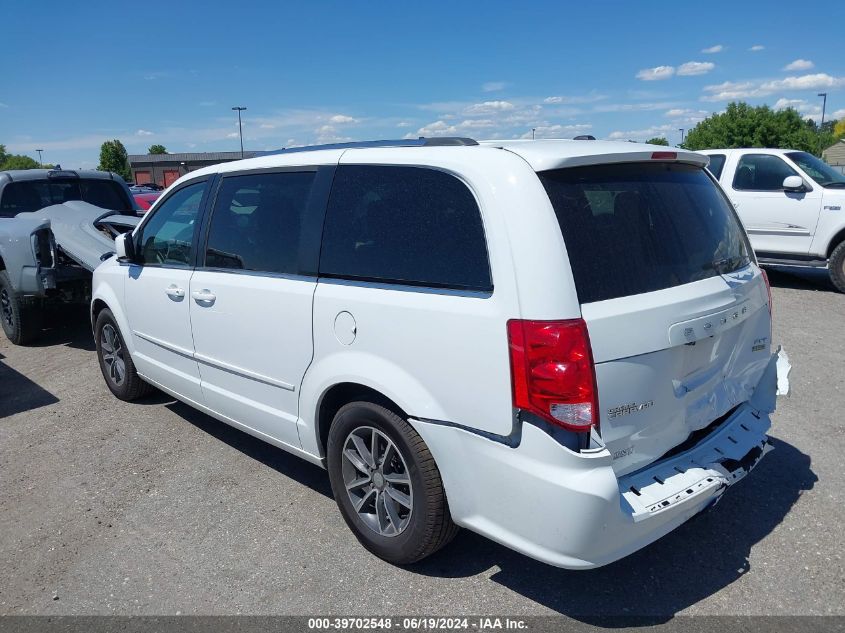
(558, 131)
(782, 104)
(232, 135)
(685, 115)
(143, 133)
(342, 118)
(573, 99)
(695, 68)
(838, 114)
(805, 109)
(489, 107)
(656, 74)
(756, 48)
(805, 82)
(633, 107)
(403, 124)
(267, 126)
(676, 112)
(799, 64)
(718, 48)
(436, 128)
(493, 86)
(657, 130)
(731, 90)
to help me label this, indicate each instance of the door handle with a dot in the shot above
(203, 296)
(174, 292)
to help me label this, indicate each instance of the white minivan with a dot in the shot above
(562, 345)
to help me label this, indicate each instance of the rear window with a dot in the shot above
(404, 225)
(32, 195)
(639, 227)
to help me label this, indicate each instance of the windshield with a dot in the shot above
(818, 170)
(639, 227)
(32, 195)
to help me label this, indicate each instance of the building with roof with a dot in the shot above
(835, 155)
(164, 169)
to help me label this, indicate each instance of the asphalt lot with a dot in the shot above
(153, 508)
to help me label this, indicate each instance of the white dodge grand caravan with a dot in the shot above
(564, 346)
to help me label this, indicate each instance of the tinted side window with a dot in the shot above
(404, 225)
(168, 237)
(717, 164)
(761, 172)
(256, 222)
(33, 195)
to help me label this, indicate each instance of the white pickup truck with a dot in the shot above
(791, 203)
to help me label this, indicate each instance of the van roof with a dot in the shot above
(541, 155)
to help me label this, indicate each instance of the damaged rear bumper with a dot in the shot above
(569, 509)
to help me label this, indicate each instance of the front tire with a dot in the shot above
(386, 484)
(115, 361)
(21, 323)
(836, 267)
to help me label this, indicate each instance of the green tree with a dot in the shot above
(3, 154)
(18, 161)
(657, 140)
(838, 129)
(157, 149)
(113, 157)
(742, 125)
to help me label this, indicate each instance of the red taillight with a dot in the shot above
(768, 288)
(552, 372)
(664, 155)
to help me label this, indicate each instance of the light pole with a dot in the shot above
(533, 129)
(821, 127)
(681, 130)
(40, 162)
(240, 128)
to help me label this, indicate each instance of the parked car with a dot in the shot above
(55, 228)
(145, 200)
(564, 346)
(792, 205)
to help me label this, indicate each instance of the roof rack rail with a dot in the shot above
(438, 141)
(584, 137)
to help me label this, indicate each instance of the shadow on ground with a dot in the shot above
(800, 278)
(695, 561)
(18, 393)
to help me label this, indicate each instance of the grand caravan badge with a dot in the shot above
(625, 409)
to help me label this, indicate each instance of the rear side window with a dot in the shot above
(406, 225)
(717, 164)
(639, 227)
(33, 195)
(761, 172)
(256, 222)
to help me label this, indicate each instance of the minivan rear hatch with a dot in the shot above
(676, 311)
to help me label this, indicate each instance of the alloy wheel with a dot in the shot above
(377, 481)
(113, 357)
(6, 308)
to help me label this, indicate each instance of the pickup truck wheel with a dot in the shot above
(386, 484)
(21, 323)
(836, 266)
(115, 361)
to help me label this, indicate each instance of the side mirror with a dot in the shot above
(124, 248)
(793, 183)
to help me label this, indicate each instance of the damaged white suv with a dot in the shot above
(564, 346)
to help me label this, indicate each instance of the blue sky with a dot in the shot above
(80, 73)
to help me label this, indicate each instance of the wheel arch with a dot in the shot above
(838, 238)
(341, 394)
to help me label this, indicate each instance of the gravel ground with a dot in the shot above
(154, 508)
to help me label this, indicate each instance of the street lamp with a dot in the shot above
(240, 128)
(40, 162)
(533, 129)
(681, 130)
(821, 127)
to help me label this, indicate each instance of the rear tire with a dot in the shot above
(21, 323)
(836, 267)
(115, 361)
(402, 515)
